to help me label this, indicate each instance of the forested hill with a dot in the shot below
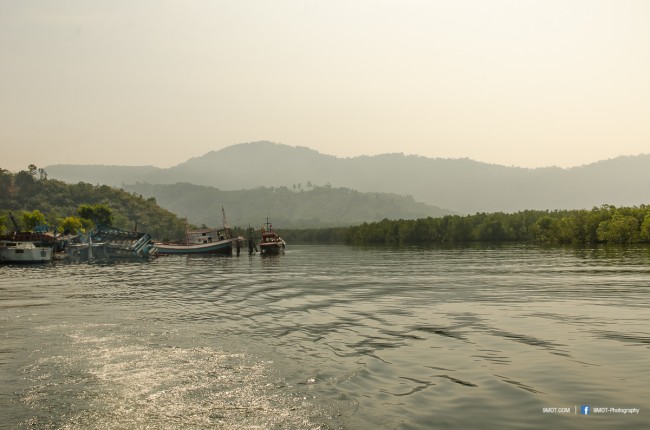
(297, 207)
(461, 185)
(28, 191)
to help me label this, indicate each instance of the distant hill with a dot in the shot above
(101, 174)
(286, 208)
(461, 185)
(57, 200)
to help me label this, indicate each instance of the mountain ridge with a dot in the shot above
(297, 208)
(461, 184)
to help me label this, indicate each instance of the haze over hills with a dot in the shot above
(460, 185)
(288, 208)
(101, 174)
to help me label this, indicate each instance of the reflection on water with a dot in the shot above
(330, 337)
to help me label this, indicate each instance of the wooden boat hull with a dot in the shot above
(271, 248)
(271, 243)
(223, 247)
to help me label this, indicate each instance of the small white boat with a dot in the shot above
(24, 252)
(26, 246)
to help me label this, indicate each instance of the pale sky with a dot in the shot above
(524, 83)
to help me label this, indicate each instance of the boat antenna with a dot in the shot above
(14, 222)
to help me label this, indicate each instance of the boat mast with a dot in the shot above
(226, 226)
(14, 222)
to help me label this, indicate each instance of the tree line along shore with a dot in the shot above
(35, 199)
(604, 224)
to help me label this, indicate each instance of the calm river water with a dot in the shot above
(331, 337)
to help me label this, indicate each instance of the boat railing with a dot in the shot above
(142, 242)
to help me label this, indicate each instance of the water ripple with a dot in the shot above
(328, 337)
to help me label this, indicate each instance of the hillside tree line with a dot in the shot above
(34, 199)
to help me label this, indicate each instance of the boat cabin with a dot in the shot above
(207, 235)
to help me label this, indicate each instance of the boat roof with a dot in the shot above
(205, 230)
(26, 236)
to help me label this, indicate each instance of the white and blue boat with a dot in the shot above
(204, 241)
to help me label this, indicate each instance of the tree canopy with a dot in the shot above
(35, 199)
(605, 224)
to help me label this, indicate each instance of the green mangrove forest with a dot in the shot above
(604, 224)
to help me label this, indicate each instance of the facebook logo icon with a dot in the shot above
(585, 410)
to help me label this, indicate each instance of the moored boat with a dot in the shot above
(204, 241)
(271, 243)
(109, 243)
(26, 248)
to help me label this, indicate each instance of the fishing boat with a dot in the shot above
(271, 243)
(109, 243)
(204, 241)
(26, 247)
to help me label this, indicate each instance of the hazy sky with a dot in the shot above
(525, 83)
